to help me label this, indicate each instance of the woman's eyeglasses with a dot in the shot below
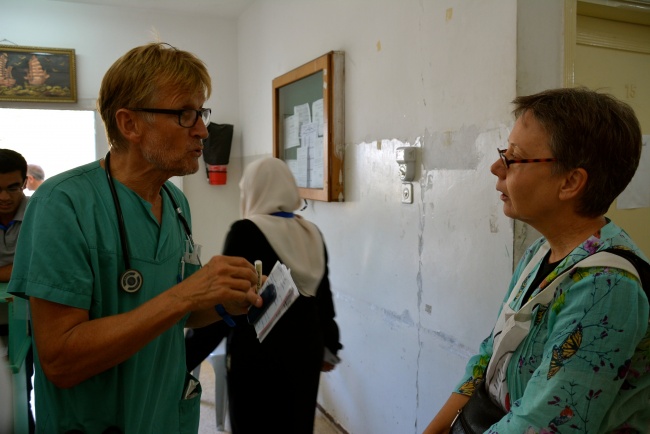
(507, 162)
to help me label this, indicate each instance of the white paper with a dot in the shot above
(291, 131)
(190, 391)
(316, 165)
(317, 115)
(301, 168)
(308, 134)
(637, 193)
(293, 166)
(313, 145)
(287, 293)
(303, 113)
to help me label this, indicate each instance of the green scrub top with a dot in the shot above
(69, 252)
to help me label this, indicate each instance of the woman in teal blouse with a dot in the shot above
(582, 364)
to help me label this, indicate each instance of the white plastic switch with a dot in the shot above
(407, 192)
(406, 157)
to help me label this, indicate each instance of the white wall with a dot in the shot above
(417, 286)
(99, 36)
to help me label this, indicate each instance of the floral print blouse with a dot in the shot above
(585, 365)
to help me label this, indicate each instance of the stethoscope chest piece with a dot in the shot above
(131, 280)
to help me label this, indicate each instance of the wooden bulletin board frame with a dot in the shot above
(308, 126)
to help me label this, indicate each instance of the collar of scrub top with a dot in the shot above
(131, 280)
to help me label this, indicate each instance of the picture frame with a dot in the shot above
(37, 74)
(309, 128)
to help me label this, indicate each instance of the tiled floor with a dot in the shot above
(208, 423)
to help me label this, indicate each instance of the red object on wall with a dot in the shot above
(216, 152)
(217, 174)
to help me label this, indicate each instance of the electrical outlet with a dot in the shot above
(407, 192)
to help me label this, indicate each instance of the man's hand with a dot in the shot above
(73, 348)
(226, 280)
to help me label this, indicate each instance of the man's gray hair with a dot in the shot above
(36, 172)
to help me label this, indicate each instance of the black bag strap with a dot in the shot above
(642, 267)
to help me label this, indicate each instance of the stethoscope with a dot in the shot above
(131, 279)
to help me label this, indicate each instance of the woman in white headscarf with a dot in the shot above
(287, 364)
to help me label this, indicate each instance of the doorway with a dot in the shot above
(612, 54)
(56, 140)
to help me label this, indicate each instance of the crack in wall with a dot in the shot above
(421, 225)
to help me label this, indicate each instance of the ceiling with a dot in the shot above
(234, 8)
(215, 8)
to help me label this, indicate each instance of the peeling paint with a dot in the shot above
(452, 150)
(421, 224)
(339, 151)
(426, 182)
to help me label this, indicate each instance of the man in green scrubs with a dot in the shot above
(109, 345)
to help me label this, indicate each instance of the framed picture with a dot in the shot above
(308, 126)
(35, 74)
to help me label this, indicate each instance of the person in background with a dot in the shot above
(305, 341)
(35, 176)
(13, 173)
(13, 202)
(107, 261)
(201, 342)
(584, 364)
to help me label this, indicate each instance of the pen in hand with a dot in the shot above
(258, 269)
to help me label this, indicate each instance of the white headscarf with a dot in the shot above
(268, 186)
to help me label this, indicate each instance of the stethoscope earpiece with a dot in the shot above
(131, 280)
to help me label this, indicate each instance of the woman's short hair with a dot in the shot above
(135, 79)
(589, 130)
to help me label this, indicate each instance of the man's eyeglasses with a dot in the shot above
(186, 118)
(12, 189)
(507, 162)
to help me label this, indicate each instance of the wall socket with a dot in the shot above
(407, 192)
